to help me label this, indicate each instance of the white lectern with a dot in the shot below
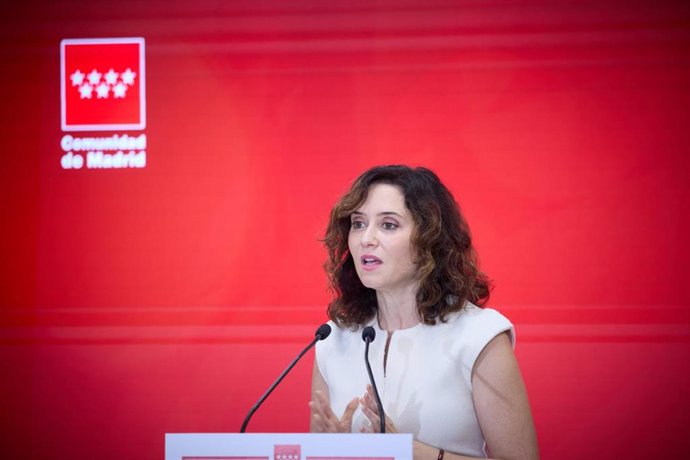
(286, 446)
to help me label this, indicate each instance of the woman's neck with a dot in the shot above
(397, 310)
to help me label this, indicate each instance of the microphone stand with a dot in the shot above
(368, 335)
(321, 334)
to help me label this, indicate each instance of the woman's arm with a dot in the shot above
(322, 419)
(501, 404)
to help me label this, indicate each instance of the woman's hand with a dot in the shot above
(323, 420)
(371, 410)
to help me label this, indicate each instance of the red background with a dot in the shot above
(140, 302)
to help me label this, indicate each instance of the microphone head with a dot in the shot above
(368, 334)
(323, 331)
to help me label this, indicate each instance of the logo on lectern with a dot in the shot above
(287, 452)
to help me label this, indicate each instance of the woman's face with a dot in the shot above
(379, 240)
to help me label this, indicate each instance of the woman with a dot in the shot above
(402, 261)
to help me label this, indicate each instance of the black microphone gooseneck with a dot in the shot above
(321, 333)
(368, 335)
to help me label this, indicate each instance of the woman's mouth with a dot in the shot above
(370, 262)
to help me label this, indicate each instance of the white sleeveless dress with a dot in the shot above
(426, 389)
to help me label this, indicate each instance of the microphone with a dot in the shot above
(368, 335)
(321, 333)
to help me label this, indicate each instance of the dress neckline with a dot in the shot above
(375, 324)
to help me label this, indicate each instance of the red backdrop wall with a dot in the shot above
(166, 299)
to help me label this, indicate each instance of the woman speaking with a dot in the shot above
(400, 259)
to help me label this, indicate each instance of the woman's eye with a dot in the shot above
(389, 226)
(357, 224)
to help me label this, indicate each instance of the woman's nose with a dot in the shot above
(369, 237)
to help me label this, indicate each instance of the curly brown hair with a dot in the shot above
(447, 266)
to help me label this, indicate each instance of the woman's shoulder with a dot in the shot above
(340, 337)
(467, 331)
(472, 321)
(471, 313)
